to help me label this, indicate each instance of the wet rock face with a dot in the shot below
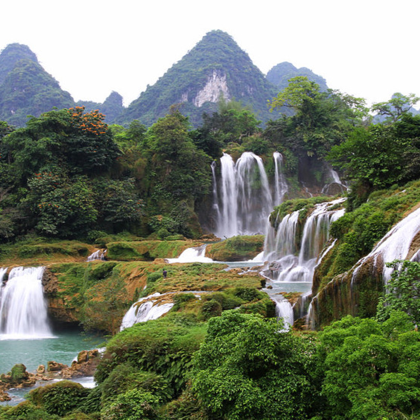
(49, 282)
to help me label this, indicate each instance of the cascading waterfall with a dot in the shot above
(284, 310)
(244, 201)
(190, 255)
(295, 265)
(23, 309)
(280, 184)
(395, 245)
(146, 311)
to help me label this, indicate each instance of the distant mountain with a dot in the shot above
(281, 73)
(215, 67)
(111, 108)
(11, 55)
(27, 89)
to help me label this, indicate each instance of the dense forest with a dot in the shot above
(67, 176)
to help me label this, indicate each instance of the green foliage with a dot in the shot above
(211, 308)
(164, 346)
(25, 411)
(126, 377)
(59, 398)
(371, 370)
(62, 207)
(237, 248)
(320, 121)
(246, 369)
(152, 277)
(402, 291)
(131, 405)
(396, 107)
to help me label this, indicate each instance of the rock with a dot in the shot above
(4, 396)
(55, 367)
(86, 364)
(19, 373)
(40, 369)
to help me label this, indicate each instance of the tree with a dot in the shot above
(299, 91)
(70, 138)
(372, 370)
(402, 291)
(246, 369)
(396, 107)
(321, 119)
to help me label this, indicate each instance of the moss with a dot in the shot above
(238, 248)
(147, 250)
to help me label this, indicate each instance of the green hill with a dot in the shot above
(216, 66)
(281, 73)
(29, 90)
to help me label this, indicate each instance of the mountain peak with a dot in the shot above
(215, 67)
(10, 55)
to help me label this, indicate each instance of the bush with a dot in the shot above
(59, 398)
(211, 308)
(132, 405)
(152, 277)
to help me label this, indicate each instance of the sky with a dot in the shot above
(366, 48)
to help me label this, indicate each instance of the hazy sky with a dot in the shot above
(365, 48)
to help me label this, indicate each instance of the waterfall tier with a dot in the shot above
(23, 309)
(145, 309)
(190, 255)
(243, 200)
(294, 261)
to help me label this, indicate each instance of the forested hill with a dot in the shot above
(27, 89)
(280, 75)
(215, 66)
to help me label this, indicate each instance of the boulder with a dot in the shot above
(55, 367)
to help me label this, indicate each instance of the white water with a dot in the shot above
(142, 312)
(280, 184)
(395, 245)
(97, 255)
(190, 255)
(333, 179)
(23, 309)
(244, 200)
(284, 310)
(281, 248)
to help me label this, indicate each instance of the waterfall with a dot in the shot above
(146, 311)
(216, 207)
(244, 202)
(284, 310)
(333, 180)
(190, 255)
(23, 309)
(97, 255)
(395, 245)
(280, 184)
(294, 263)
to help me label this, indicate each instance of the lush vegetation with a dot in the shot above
(69, 181)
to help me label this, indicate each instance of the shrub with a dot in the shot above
(59, 398)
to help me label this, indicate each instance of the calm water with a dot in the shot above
(32, 353)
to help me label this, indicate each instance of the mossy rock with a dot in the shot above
(238, 248)
(147, 250)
